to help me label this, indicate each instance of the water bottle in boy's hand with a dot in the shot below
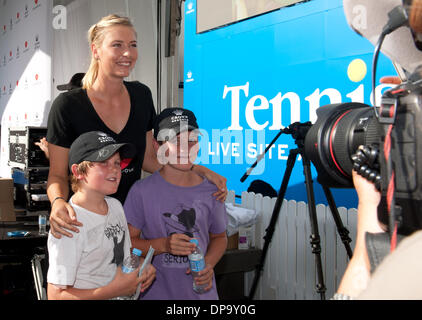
(197, 264)
(130, 264)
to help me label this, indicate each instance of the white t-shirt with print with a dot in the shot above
(89, 259)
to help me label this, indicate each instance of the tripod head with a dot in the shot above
(297, 130)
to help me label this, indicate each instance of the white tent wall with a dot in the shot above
(25, 70)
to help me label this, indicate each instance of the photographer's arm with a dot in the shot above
(357, 274)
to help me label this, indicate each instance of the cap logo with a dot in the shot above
(103, 153)
(180, 118)
(178, 112)
(103, 138)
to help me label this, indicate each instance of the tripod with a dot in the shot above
(298, 132)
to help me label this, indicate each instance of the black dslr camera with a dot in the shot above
(332, 146)
(391, 136)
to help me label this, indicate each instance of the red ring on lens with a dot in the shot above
(331, 143)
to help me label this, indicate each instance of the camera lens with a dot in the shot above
(330, 143)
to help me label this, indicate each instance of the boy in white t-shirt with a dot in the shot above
(87, 265)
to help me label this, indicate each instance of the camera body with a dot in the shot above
(341, 128)
(406, 156)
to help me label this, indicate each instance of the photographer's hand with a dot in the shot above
(357, 274)
(369, 198)
(390, 80)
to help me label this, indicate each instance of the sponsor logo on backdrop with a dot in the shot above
(26, 47)
(26, 11)
(190, 8)
(189, 76)
(37, 43)
(26, 85)
(18, 18)
(37, 4)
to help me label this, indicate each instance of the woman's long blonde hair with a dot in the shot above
(96, 36)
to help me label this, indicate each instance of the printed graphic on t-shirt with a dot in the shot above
(182, 220)
(115, 232)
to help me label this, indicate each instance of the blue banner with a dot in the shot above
(248, 80)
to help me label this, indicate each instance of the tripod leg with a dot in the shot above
(342, 230)
(315, 238)
(276, 211)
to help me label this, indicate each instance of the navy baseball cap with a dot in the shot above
(75, 82)
(171, 121)
(97, 146)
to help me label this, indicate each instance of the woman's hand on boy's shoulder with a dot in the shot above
(217, 179)
(62, 218)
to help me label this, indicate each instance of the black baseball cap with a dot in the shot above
(171, 121)
(75, 82)
(97, 146)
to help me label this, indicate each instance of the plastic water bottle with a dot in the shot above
(197, 263)
(130, 264)
(42, 224)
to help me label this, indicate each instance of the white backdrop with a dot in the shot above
(25, 69)
(38, 51)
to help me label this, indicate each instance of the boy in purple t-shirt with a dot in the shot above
(174, 205)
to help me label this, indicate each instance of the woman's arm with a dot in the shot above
(150, 163)
(62, 214)
(218, 180)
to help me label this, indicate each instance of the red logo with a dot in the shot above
(36, 1)
(10, 53)
(26, 44)
(17, 82)
(36, 76)
(17, 15)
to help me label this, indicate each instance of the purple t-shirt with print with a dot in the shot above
(159, 209)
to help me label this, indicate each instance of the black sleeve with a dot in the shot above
(152, 113)
(59, 130)
(143, 94)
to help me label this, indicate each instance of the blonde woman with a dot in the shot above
(122, 109)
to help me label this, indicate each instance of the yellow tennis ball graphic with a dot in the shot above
(357, 70)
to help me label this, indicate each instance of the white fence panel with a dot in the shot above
(290, 267)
